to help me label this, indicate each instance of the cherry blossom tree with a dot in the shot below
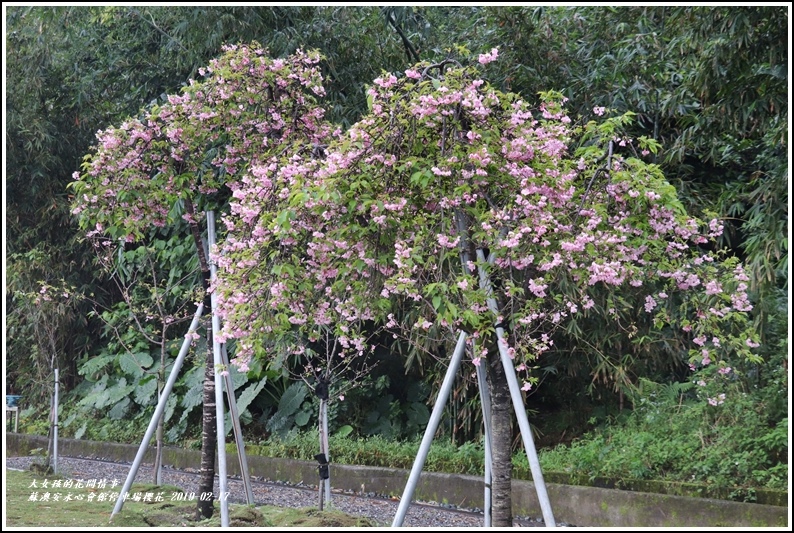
(184, 156)
(447, 178)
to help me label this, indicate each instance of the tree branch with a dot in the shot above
(413, 55)
(154, 25)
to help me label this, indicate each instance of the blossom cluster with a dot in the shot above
(345, 231)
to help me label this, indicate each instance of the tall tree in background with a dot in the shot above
(42, 129)
(710, 85)
(73, 70)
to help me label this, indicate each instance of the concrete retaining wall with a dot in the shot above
(582, 506)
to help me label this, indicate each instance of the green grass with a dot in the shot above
(86, 508)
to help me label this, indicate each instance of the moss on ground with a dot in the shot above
(42, 500)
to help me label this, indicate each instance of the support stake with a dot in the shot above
(55, 428)
(485, 399)
(432, 426)
(223, 492)
(234, 414)
(158, 412)
(518, 403)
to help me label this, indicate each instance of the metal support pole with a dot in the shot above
(55, 428)
(234, 414)
(158, 457)
(463, 230)
(216, 352)
(432, 426)
(325, 450)
(158, 412)
(485, 400)
(50, 430)
(518, 403)
(321, 457)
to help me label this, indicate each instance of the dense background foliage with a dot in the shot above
(708, 83)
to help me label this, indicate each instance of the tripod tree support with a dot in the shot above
(158, 412)
(432, 426)
(55, 428)
(518, 403)
(234, 414)
(223, 491)
(485, 399)
(518, 406)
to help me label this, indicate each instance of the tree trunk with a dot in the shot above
(325, 483)
(158, 455)
(502, 438)
(209, 429)
(209, 438)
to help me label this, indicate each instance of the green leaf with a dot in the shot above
(417, 414)
(119, 410)
(118, 391)
(170, 405)
(292, 398)
(344, 431)
(81, 431)
(298, 198)
(302, 418)
(129, 364)
(249, 394)
(95, 364)
(194, 380)
(145, 390)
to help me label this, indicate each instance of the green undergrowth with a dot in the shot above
(694, 449)
(670, 441)
(667, 444)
